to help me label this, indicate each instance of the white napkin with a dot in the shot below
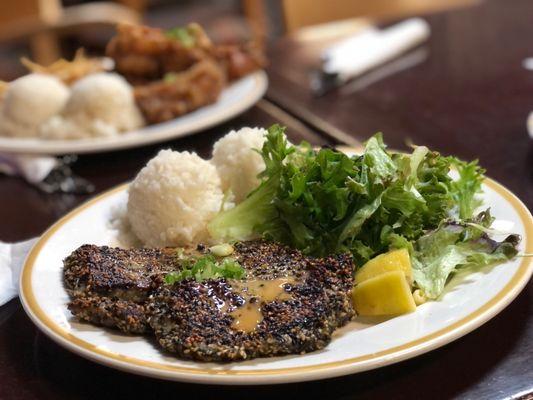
(372, 47)
(32, 168)
(12, 256)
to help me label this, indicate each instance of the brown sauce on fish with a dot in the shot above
(254, 292)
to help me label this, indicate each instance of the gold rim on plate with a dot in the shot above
(327, 369)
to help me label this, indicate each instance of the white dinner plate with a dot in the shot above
(469, 301)
(234, 99)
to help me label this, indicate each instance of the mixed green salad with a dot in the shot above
(325, 202)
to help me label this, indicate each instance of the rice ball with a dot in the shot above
(106, 97)
(29, 101)
(101, 105)
(173, 198)
(64, 128)
(236, 161)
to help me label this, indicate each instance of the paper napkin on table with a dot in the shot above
(368, 49)
(373, 46)
(12, 257)
(32, 168)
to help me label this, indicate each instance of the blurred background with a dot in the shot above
(45, 30)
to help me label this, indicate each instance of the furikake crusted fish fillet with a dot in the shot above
(110, 286)
(285, 302)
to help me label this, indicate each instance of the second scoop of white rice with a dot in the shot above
(237, 161)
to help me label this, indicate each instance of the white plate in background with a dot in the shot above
(234, 100)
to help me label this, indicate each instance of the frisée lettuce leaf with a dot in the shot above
(467, 186)
(242, 222)
(327, 202)
(453, 246)
(205, 267)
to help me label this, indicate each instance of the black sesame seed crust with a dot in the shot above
(109, 286)
(186, 317)
(187, 321)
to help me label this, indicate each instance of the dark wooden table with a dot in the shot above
(469, 96)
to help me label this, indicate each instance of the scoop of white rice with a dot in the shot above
(173, 198)
(60, 128)
(106, 97)
(101, 105)
(237, 163)
(29, 101)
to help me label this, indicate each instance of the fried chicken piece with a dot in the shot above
(144, 54)
(181, 93)
(240, 60)
(178, 70)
